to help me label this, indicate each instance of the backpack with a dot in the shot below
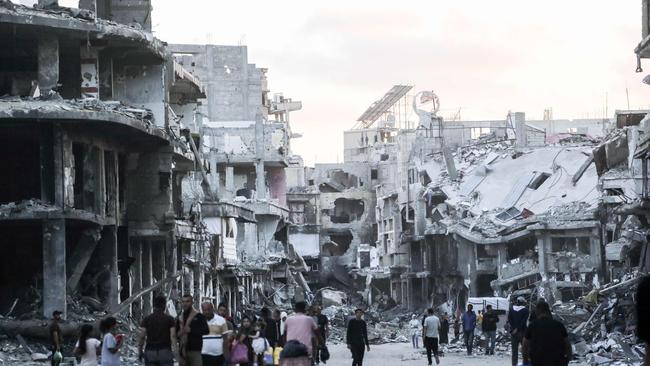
(294, 349)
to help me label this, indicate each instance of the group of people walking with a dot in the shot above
(533, 333)
(208, 337)
(211, 338)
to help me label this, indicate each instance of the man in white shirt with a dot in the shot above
(430, 331)
(212, 350)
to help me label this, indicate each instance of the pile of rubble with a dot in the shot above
(30, 205)
(474, 154)
(383, 327)
(603, 324)
(18, 350)
(14, 106)
(388, 325)
(24, 333)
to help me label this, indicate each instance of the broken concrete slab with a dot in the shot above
(333, 297)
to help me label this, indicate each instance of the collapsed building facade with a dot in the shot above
(136, 168)
(482, 208)
(88, 204)
(244, 141)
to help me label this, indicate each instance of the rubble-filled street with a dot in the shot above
(162, 201)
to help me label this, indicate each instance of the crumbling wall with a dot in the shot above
(234, 87)
(187, 115)
(362, 227)
(254, 240)
(346, 210)
(305, 239)
(149, 191)
(142, 86)
(237, 140)
(126, 11)
(343, 176)
(277, 181)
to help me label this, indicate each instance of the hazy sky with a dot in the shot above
(484, 57)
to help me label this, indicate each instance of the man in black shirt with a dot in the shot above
(192, 327)
(490, 320)
(272, 331)
(323, 323)
(277, 319)
(517, 321)
(357, 337)
(546, 342)
(158, 331)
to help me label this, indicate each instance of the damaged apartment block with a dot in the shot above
(431, 212)
(88, 204)
(140, 168)
(245, 145)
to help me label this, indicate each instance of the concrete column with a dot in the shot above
(54, 291)
(260, 181)
(158, 260)
(58, 166)
(146, 277)
(519, 119)
(136, 275)
(196, 285)
(171, 265)
(230, 179)
(108, 253)
(213, 177)
(216, 281)
(502, 258)
(100, 181)
(541, 252)
(81, 255)
(48, 57)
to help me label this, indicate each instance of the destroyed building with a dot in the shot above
(480, 208)
(88, 203)
(244, 140)
(303, 202)
(137, 167)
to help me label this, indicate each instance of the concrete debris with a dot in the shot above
(332, 298)
(82, 20)
(17, 107)
(383, 327)
(572, 139)
(32, 205)
(137, 182)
